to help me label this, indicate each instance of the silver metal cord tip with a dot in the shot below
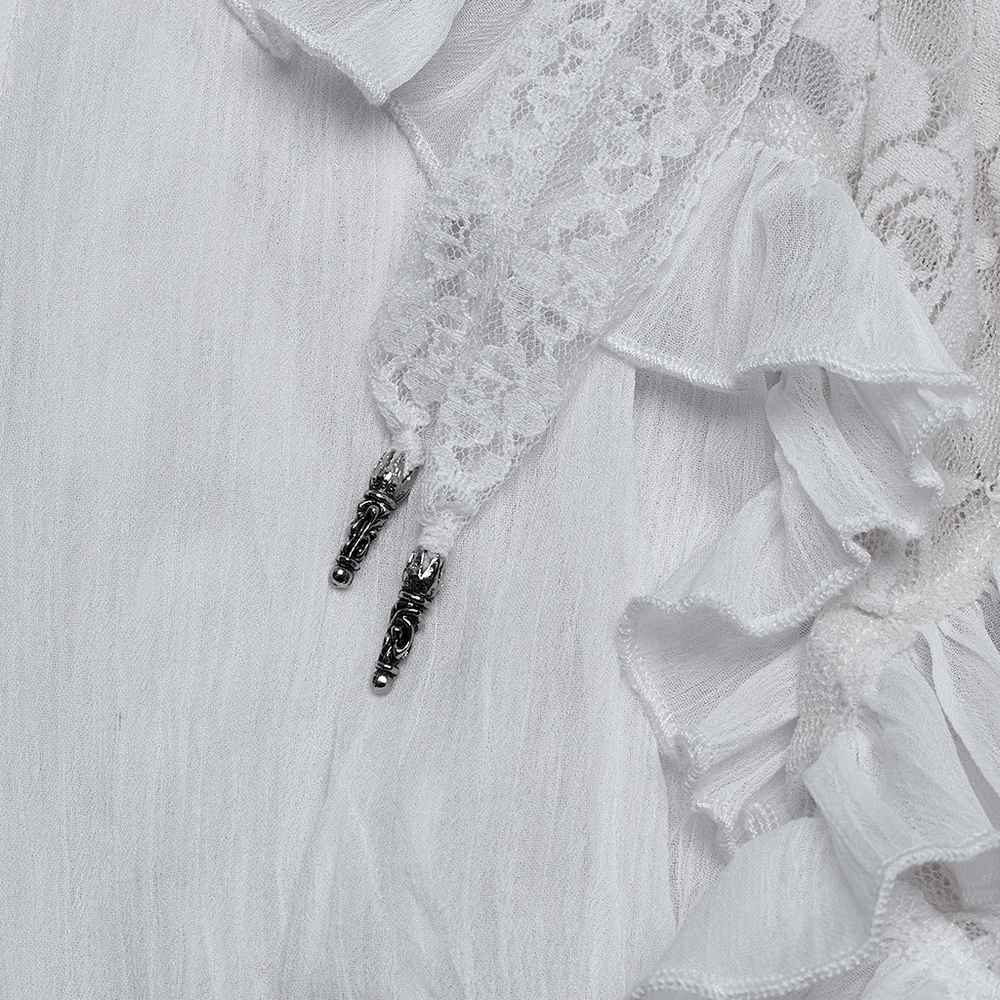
(381, 682)
(389, 486)
(421, 582)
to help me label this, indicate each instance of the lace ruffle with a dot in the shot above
(796, 712)
(602, 125)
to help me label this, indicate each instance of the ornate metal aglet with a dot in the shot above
(421, 582)
(387, 489)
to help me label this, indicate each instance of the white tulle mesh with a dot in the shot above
(566, 196)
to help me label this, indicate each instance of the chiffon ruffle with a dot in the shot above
(378, 44)
(820, 807)
(429, 62)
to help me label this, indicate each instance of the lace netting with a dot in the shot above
(941, 889)
(938, 941)
(898, 102)
(928, 188)
(814, 101)
(554, 214)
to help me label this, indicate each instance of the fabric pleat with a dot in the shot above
(736, 651)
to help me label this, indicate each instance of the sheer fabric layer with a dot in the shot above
(792, 666)
(789, 709)
(573, 183)
(889, 872)
(379, 45)
(205, 800)
(430, 64)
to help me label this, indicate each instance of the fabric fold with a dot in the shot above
(430, 63)
(892, 802)
(379, 45)
(857, 385)
(775, 268)
(778, 292)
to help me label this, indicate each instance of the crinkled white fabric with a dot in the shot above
(911, 785)
(201, 800)
(7, 11)
(571, 184)
(430, 63)
(200, 797)
(807, 709)
(379, 44)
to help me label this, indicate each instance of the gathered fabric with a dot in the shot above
(688, 311)
(792, 210)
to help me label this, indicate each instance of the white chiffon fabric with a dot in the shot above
(200, 795)
(704, 708)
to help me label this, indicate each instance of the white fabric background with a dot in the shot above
(8, 9)
(200, 796)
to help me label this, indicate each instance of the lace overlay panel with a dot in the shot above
(554, 215)
(927, 186)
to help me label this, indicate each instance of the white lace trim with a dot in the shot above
(570, 191)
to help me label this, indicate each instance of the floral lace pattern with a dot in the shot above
(916, 182)
(567, 195)
(925, 187)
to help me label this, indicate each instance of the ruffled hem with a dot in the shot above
(776, 268)
(859, 386)
(812, 898)
(378, 46)
(778, 288)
